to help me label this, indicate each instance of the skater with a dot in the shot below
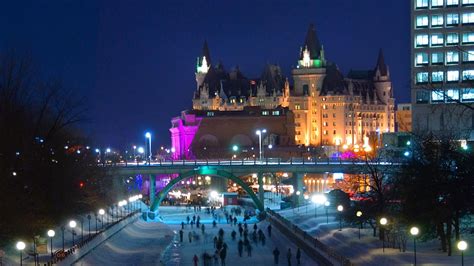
(215, 241)
(263, 240)
(223, 254)
(187, 219)
(192, 224)
(235, 220)
(203, 229)
(216, 257)
(181, 235)
(276, 254)
(298, 256)
(269, 230)
(241, 230)
(249, 250)
(214, 223)
(288, 256)
(182, 225)
(255, 227)
(233, 234)
(190, 236)
(240, 246)
(195, 260)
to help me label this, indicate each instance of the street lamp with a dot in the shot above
(414, 232)
(340, 208)
(89, 218)
(101, 213)
(383, 221)
(62, 230)
(318, 199)
(72, 225)
(51, 234)
(134, 153)
(359, 215)
(306, 197)
(326, 205)
(148, 136)
(260, 132)
(20, 245)
(462, 245)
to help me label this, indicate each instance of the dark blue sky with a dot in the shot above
(134, 60)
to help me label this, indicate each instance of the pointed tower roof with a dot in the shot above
(206, 53)
(311, 43)
(381, 66)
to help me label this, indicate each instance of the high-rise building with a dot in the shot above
(329, 108)
(442, 59)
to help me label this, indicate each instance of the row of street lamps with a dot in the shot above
(20, 245)
(319, 199)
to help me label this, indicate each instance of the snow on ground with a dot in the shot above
(182, 253)
(139, 243)
(368, 250)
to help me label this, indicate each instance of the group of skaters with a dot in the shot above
(248, 239)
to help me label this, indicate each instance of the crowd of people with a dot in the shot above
(249, 237)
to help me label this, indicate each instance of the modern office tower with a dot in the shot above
(442, 58)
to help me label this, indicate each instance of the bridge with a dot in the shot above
(234, 169)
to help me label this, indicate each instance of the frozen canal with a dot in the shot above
(143, 243)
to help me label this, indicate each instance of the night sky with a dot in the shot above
(134, 61)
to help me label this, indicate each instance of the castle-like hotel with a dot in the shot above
(328, 108)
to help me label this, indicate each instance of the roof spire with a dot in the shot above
(205, 52)
(312, 43)
(381, 66)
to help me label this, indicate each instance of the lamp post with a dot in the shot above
(340, 208)
(96, 230)
(260, 132)
(89, 218)
(414, 232)
(148, 136)
(462, 245)
(72, 225)
(383, 221)
(62, 229)
(318, 199)
(359, 215)
(306, 197)
(82, 230)
(20, 245)
(112, 212)
(51, 234)
(326, 206)
(101, 213)
(134, 153)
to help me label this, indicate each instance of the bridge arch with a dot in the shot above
(205, 170)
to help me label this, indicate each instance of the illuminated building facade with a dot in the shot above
(329, 108)
(403, 117)
(442, 60)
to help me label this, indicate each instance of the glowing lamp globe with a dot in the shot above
(51, 233)
(20, 245)
(462, 245)
(414, 231)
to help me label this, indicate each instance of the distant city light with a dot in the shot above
(141, 150)
(148, 135)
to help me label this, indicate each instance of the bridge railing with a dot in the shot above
(319, 251)
(255, 162)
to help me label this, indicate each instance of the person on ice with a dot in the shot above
(276, 255)
(181, 235)
(195, 260)
(240, 247)
(298, 256)
(288, 256)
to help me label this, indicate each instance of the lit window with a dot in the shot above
(468, 56)
(437, 76)
(437, 96)
(468, 18)
(452, 38)
(452, 57)
(437, 3)
(453, 75)
(422, 21)
(421, 3)
(422, 40)
(437, 21)
(452, 95)
(421, 59)
(452, 19)
(437, 39)
(468, 74)
(421, 77)
(452, 2)
(297, 107)
(276, 113)
(468, 95)
(437, 58)
(265, 112)
(468, 37)
(468, 2)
